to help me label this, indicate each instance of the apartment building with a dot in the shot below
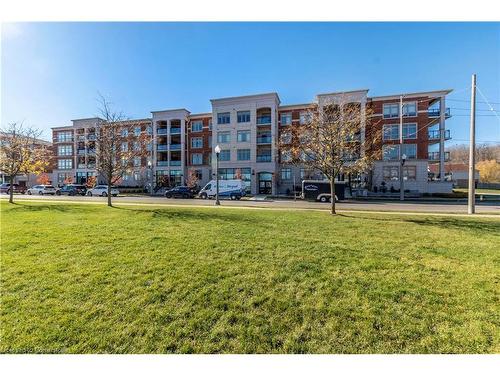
(247, 128)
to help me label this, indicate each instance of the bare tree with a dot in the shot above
(21, 153)
(192, 179)
(116, 145)
(330, 141)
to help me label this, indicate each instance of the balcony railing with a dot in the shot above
(175, 130)
(263, 158)
(162, 147)
(175, 146)
(175, 163)
(81, 166)
(80, 138)
(90, 166)
(262, 140)
(434, 156)
(91, 151)
(435, 112)
(162, 131)
(162, 163)
(64, 139)
(435, 134)
(264, 120)
(80, 151)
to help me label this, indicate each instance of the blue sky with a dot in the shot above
(51, 72)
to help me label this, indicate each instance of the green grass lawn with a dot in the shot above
(478, 191)
(92, 279)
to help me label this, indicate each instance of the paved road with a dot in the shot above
(381, 206)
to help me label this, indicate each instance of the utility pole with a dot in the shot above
(472, 148)
(401, 159)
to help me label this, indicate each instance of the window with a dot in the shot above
(210, 141)
(243, 116)
(244, 154)
(391, 110)
(196, 159)
(223, 118)
(210, 124)
(390, 152)
(410, 172)
(64, 150)
(137, 147)
(149, 130)
(410, 109)
(65, 136)
(391, 132)
(198, 173)
(229, 173)
(225, 155)
(137, 161)
(286, 156)
(243, 135)
(62, 177)
(137, 131)
(64, 164)
(224, 137)
(124, 147)
(124, 132)
(197, 142)
(286, 174)
(286, 119)
(391, 173)
(409, 131)
(149, 146)
(305, 117)
(137, 176)
(197, 126)
(410, 150)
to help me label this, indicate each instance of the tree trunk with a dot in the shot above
(109, 195)
(11, 190)
(332, 192)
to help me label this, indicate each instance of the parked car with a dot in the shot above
(72, 189)
(5, 188)
(180, 192)
(42, 189)
(102, 191)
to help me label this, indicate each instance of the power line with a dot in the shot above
(468, 101)
(487, 102)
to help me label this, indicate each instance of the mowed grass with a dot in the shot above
(92, 279)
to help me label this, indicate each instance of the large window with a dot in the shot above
(243, 135)
(243, 116)
(223, 118)
(197, 142)
(223, 137)
(305, 118)
(390, 152)
(286, 119)
(410, 150)
(62, 177)
(391, 110)
(124, 132)
(225, 155)
(137, 161)
(229, 173)
(244, 154)
(196, 159)
(197, 126)
(391, 132)
(137, 131)
(65, 136)
(286, 156)
(64, 164)
(391, 173)
(124, 146)
(286, 174)
(64, 150)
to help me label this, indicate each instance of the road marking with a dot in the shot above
(327, 210)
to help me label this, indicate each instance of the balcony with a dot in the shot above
(435, 134)
(435, 112)
(434, 156)
(264, 120)
(91, 151)
(162, 163)
(175, 130)
(81, 166)
(80, 138)
(175, 163)
(266, 158)
(80, 151)
(64, 139)
(163, 147)
(175, 146)
(162, 131)
(264, 140)
(90, 165)
(91, 137)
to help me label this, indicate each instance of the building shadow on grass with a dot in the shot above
(175, 213)
(42, 207)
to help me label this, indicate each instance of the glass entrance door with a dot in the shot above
(265, 183)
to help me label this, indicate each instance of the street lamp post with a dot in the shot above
(217, 152)
(402, 178)
(150, 168)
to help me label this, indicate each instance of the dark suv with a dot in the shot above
(72, 190)
(180, 192)
(5, 188)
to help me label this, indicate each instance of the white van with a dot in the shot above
(234, 189)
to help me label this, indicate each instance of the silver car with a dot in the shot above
(102, 191)
(42, 190)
